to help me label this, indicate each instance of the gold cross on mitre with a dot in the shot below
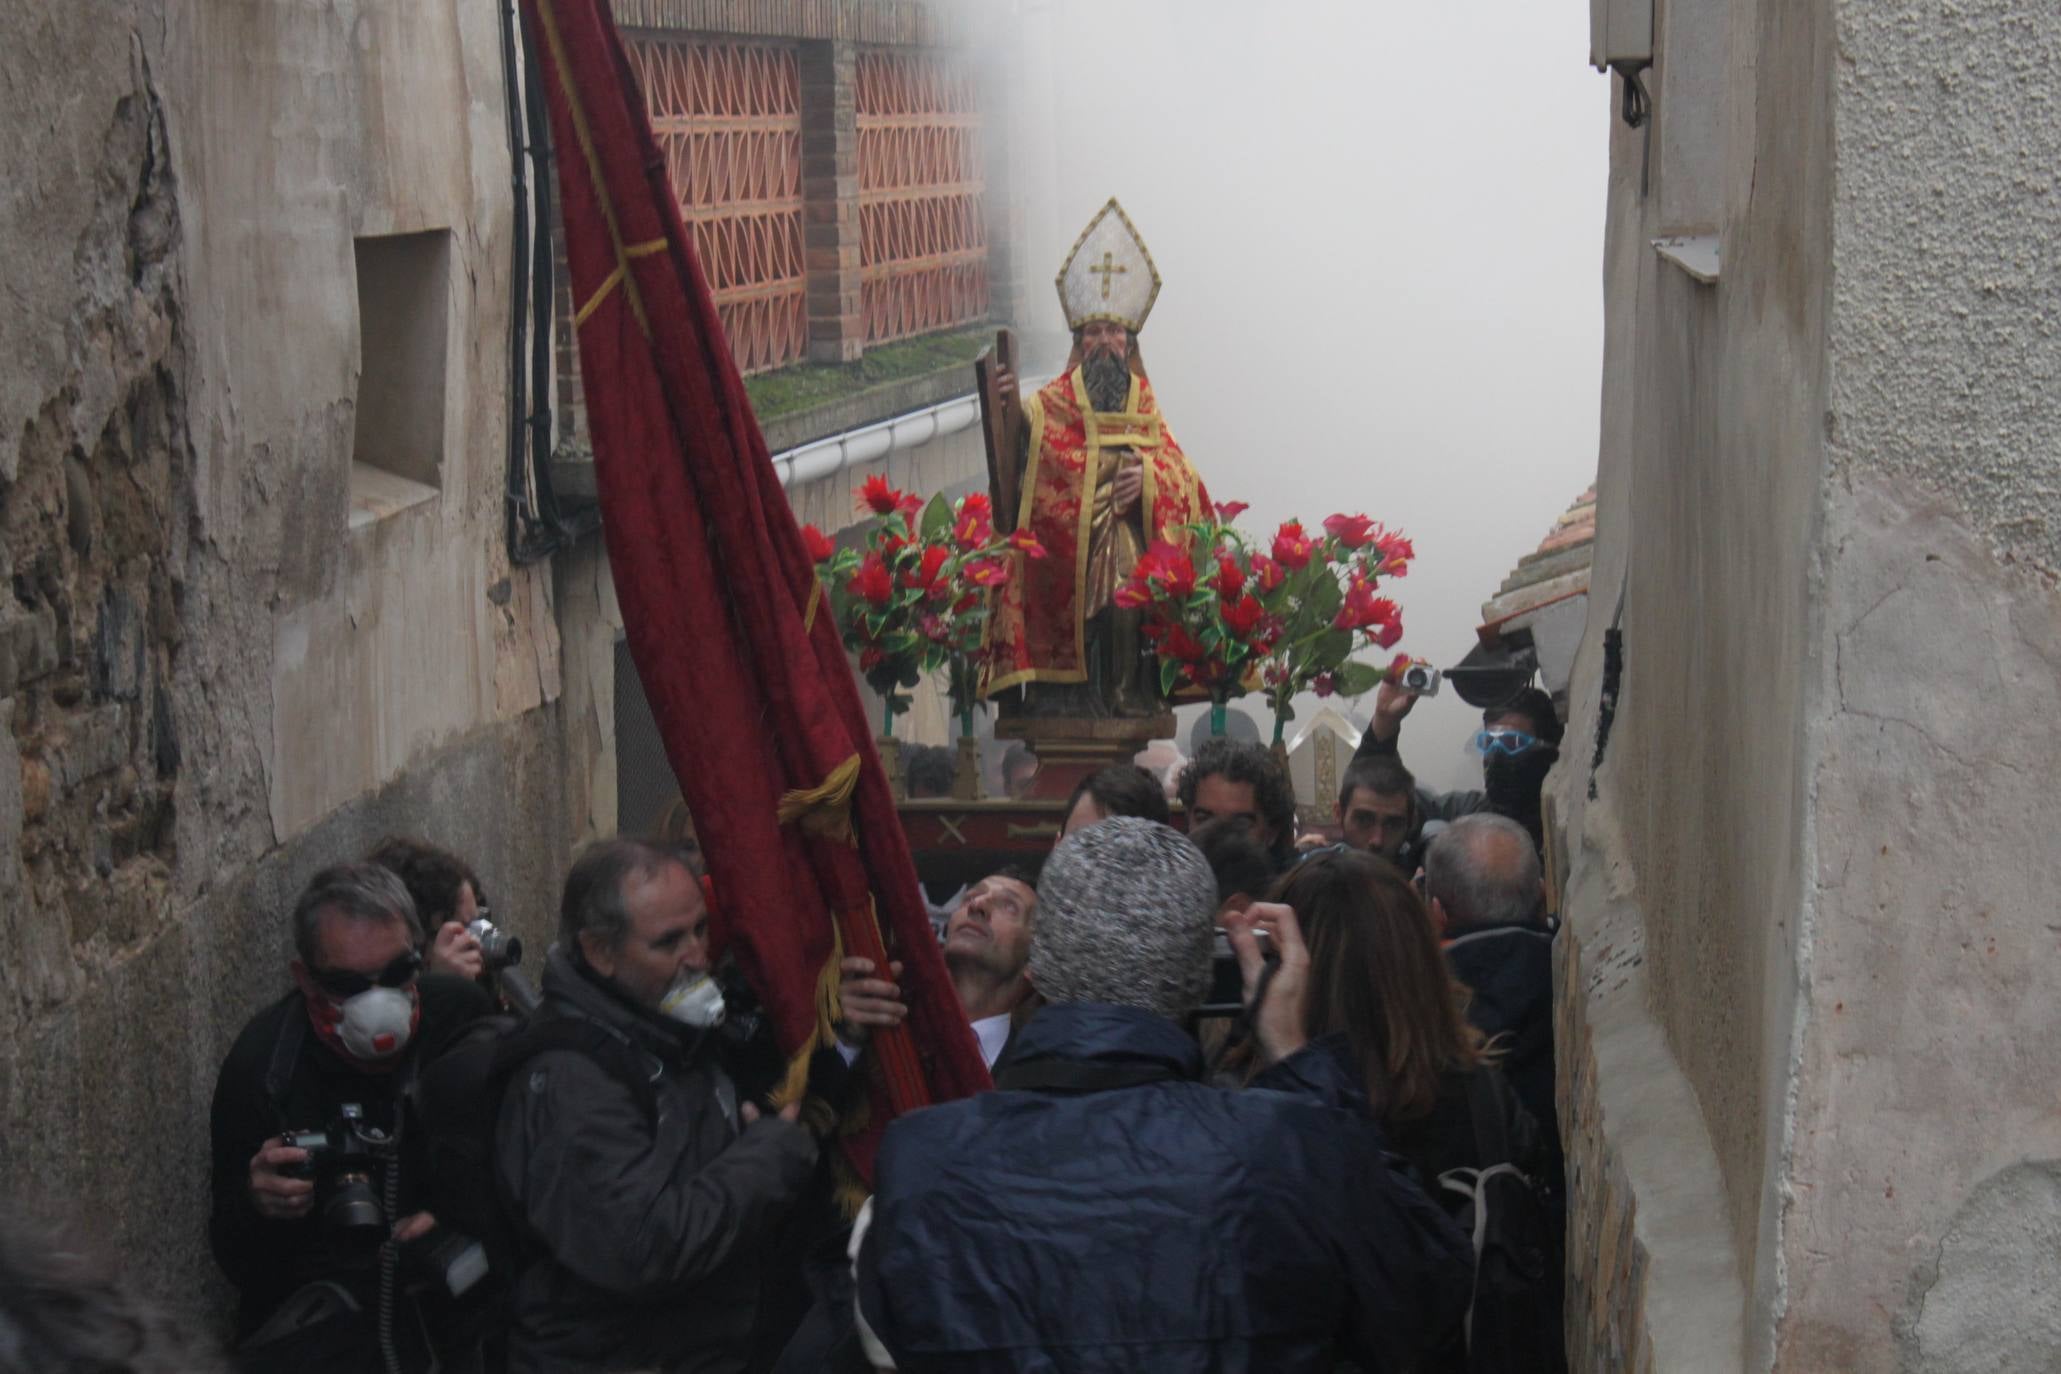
(1108, 271)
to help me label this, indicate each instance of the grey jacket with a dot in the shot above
(646, 1234)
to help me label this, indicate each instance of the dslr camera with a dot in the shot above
(499, 948)
(344, 1159)
(348, 1160)
(1418, 677)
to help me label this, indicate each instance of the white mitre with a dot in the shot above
(1109, 275)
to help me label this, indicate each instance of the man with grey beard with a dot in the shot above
(1100, 467)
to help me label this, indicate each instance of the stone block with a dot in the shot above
(118, 645)
(95, 742)
(28, 647)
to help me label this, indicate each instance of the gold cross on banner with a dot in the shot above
(1108, 271)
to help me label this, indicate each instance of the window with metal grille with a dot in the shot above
(923, 244)
(727, 116)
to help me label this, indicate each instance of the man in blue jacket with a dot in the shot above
(1107, 1210)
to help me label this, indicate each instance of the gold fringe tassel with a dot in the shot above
(824, 811)
(829, 1011)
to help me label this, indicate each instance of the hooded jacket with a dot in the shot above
(1509, 971)
(1153, 1224)
(645, 1235)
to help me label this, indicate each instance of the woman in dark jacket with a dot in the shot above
(1379, 991)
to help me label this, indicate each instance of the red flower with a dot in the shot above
(1323, 684)
(911, 507)
(1242, 615)
(974, 525)
(1026, 543)
(1266, 573)
(924, 574)
(872, 582)
(870, 658)
(1387, 636)
(966, 603)
(820, 546)
(878, 497)
(1177, 643)
(892, 544)
(1396, 553)
(987, 572)
(933, 628)
(1362, 608)
(1267, 636)
(1353, 531)
(1132, 595)
(1230, 578)
(1170, 567)
(1227, 511)
(1292, 548)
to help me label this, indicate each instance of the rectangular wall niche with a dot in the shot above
(404, 307)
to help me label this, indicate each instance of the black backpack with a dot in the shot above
(1513, 1319)
(460, 1106)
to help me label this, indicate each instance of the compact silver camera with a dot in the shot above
(499, 948)
(1419, 678)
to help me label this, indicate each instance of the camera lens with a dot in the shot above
(353, 1206)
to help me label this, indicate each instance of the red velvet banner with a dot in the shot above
(747, 679)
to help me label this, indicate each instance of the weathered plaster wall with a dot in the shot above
(1810, 894)
(212, 685)
(1687, 870)
(1925, 1107)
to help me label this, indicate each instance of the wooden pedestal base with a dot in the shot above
(1069, 749)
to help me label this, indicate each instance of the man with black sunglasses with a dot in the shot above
(336, 1057)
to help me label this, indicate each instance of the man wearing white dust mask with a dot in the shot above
(318, 1159)
(649, 1196)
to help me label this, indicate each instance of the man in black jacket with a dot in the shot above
(1519, 742)
(1482, 879)
(647, 1205)
(349, 1035)
(1105, 1209)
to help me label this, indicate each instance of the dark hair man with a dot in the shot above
(448, 899)
(1482, 879)
(1105, 1209)
(1233, 778)
(349, 1034)
(1019, 770)
(647, 1213)
(1377, 810)
(1519, 742)
(1243, 868)
(1122, 789)
(927, 771)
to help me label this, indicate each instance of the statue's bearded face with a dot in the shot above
(1106, 364)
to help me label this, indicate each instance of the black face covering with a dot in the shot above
(1514, 784)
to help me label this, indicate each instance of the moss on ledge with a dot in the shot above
(792, 390)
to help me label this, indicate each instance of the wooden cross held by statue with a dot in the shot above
(1001, 419)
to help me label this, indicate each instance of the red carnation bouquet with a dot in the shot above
(1223, 614)
(915, 600)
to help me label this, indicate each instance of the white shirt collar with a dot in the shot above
(993, 1034)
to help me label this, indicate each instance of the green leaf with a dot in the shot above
(937, 518)
(1330, 649)
(1354, 678)
(1325, 596)
(1169, 675)
(910, 674)
(875, 622)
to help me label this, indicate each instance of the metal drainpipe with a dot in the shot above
(823, 458)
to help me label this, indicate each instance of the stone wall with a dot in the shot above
(1801, 1012)
(220, 665)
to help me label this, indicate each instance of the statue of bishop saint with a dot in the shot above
(1098, 478)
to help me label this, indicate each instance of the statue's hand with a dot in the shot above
(1130, 484)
